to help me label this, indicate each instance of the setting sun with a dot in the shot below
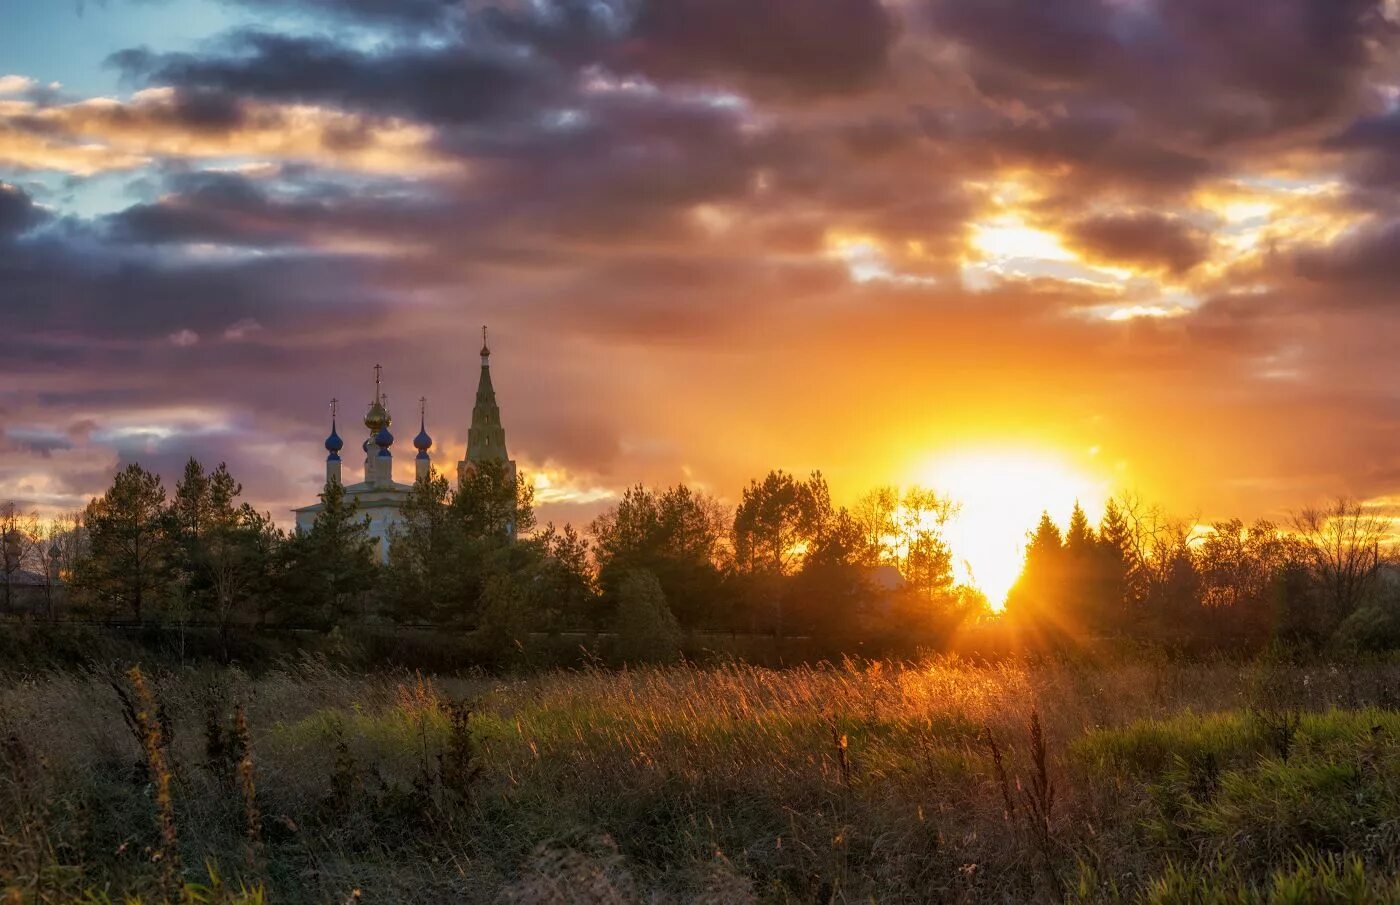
(1002, 493)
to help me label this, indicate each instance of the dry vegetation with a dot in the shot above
(943, 781)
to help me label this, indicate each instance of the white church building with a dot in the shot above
(381, 497)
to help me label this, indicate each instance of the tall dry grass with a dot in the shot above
(841, 783)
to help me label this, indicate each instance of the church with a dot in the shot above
(379, 496)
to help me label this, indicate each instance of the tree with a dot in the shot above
(1342, 546)
(565, 591)
(1107, 587)
(1239, 568)
(778, 520)
(492, 501)
(1161, 587)
(128, 546)
(423, 577)
(646, 629)
(1037, 600)
(222, 550)
(331, 566)
(1079, 537)
(19, 537)
(674, 534)
(507, 617)
(907, 529)
(833, 590)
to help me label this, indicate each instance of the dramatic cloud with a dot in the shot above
(714, 237)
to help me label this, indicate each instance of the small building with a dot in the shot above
(381, 497)
(28, 593)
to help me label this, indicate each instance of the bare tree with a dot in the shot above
(1342, 545)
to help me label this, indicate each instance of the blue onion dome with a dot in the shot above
(383, 439)
(333, 443)
(422, 442)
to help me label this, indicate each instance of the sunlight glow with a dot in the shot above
(1009, 238)
(1002, 493)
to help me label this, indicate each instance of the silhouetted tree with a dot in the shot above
(674, 534)
(330, 567)
(1036, 601)
(1342, 546)
(564, 587)
(777, 522)
(491, 502)
(129, 549)
(507, 617)
(222, 550)
(833, 597)
(423, 579)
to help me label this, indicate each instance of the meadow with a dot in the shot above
(1138, 780)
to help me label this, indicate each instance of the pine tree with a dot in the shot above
(129, 548)
(1079, 537)
(1110, 586)
(1037, 599)
(331, 566)
(423, 578)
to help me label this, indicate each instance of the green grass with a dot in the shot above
(720, 784)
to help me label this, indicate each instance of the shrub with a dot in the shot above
(646, 629)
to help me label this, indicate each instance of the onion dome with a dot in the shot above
(333, 443)
(383, 439)
(422, 442)
(377, 418)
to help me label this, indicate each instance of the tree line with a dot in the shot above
(661, 562)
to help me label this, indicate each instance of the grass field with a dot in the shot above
(940, 781)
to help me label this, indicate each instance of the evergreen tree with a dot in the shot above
(778, 520)
(507, 617)
(331, 567)
(423, 580)
(1037, 600)
(1079, 536)
(674, 534)
(646, 629)
(831, 596)
(1109, 586)
(565, 592)
(491, 502)
(129, 549)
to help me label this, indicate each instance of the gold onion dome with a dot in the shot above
(377, 418)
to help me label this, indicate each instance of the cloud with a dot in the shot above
(18, 212)
(1145, 239)
(452, 83)
(103, 134)
(799, 45)
(690, 222)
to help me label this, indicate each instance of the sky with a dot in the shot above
(1016, 249)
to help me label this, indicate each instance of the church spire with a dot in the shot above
(486, 440)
